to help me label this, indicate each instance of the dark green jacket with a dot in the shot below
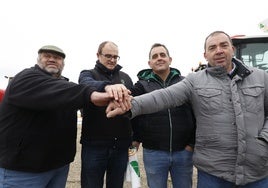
(171, 129)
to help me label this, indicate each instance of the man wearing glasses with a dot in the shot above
(38, 123)
(105, 142)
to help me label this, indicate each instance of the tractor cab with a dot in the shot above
(252, 50)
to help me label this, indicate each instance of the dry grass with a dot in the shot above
(74, 174)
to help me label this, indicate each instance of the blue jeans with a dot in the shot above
(206, 180)
(159, 163)
(98, 160)
(51, 179)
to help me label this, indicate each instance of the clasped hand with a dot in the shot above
(116, 96)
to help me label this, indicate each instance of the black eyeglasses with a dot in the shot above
(109, 56)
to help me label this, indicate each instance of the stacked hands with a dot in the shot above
(117, 98)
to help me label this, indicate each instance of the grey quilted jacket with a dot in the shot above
(230, 116)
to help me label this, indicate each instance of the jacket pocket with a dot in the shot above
(253, 98)
(207, 141)
(210, 100)
(257, 156)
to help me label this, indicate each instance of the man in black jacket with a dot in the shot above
(167, 136)
(38, 118)
(105, 142)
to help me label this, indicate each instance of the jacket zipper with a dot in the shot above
(170, 125)
(170, 122)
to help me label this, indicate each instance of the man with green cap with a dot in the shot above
(38, 119)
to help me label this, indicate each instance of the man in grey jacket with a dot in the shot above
(230, 103)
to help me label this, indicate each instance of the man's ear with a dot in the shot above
(170, 60)
(149, 63)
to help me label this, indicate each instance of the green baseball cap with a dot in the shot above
(53, 49)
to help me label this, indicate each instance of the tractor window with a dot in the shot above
(254, 54)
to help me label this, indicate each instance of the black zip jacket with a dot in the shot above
(38, 121)
(97, 129)
(169, 130)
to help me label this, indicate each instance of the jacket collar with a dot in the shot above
(148, 74)
(36, 67)
(100, 67)
(241, 70)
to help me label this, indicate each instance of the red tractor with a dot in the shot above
(2, 92)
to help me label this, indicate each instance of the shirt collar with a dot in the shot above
(233, 69)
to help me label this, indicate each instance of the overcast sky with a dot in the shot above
(79, 26)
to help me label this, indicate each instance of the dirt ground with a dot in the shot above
(74, 174)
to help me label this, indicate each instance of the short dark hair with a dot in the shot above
(158, 45)
(214, 33)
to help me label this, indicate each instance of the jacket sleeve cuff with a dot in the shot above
(103, 85)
